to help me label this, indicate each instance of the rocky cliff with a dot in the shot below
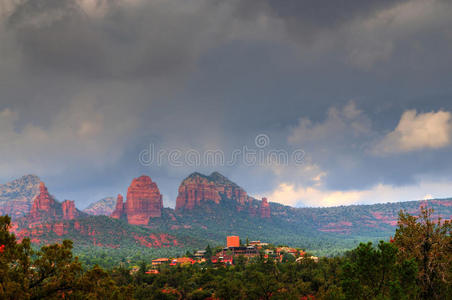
(69, 210)
(16, 197)
(118, 213)
(44, 206)
(97, 231)
(264, 210)
(198, 189)
(144, 201)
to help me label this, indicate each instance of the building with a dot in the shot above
(258, 244)
(314, 258)
(200, 254)
(159, 261)
(225, 259)
(269, 251)
(182, 261)
(292, 251)
(241, 250)
(233, 248)
(233, 241)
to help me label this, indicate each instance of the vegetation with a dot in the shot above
(416, 264)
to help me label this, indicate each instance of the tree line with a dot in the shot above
(415, 264)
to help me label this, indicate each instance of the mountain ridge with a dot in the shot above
(220, 208)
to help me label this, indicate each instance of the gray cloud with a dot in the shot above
(86, 85)
(124, 39)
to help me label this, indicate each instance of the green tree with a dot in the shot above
(374, 273)
(429, 244)
(50, 273)
(209, 253)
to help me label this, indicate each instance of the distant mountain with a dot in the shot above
(16, 197)
(210, 207)
(50, 221)
(103, 207)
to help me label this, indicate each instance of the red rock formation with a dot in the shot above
(91, 232)
(43, 204)
(264, 209)
(144, 201)
(69, 210)
(198, 189)
(252, 208)
(118, 213)
(59, 228)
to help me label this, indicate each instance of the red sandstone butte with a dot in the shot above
(69, 210)
(43, 204)
(119, 210)
(198, 189)
(264, 209)
(195, 190)
(144, 201)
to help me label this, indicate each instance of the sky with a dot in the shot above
(309, 103)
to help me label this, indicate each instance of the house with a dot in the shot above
(200, 254)
(233, 241)
(241, 250)
(314, 258)
(258, 244)
(226, 259)
(292, 251)
(269, 251)
(182, 261)
(159, 261)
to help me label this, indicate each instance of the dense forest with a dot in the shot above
(415, 264)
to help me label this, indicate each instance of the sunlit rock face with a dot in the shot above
(118, 213)
(144, 201)
(195, 190)
(198, 190)
(264, 210)
(46, 208)
(69, 210)
(43, 205)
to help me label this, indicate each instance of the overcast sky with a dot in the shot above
(362, 89)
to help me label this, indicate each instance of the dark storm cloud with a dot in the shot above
(60, 35)
(316, 14)
(86, 85)
(121, 39)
